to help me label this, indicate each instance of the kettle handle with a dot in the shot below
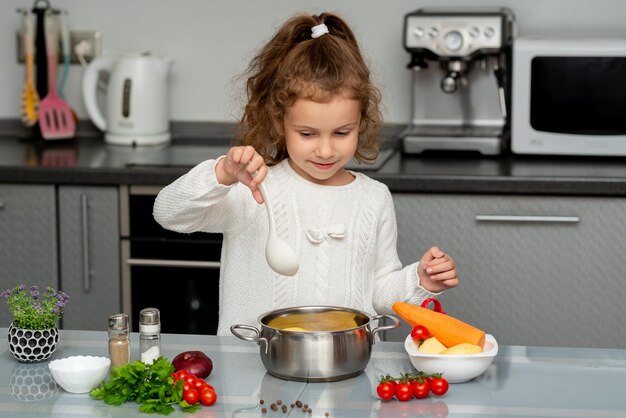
(90, 84)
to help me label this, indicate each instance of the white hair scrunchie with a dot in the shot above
(319, 30)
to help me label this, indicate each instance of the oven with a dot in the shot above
(174, 272)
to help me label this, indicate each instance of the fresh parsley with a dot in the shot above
(150, 385)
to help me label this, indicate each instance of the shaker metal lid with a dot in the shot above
(118, 321)
(149, 316)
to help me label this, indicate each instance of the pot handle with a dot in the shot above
(396, 324)
(256, 338)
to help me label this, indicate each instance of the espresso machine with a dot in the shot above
(460, 62)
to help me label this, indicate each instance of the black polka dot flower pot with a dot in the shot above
(32, 346)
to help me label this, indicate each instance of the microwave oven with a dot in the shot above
(569, 96)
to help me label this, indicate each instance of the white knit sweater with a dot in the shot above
(344, 237)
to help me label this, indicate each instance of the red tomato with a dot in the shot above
(199, 384)
(386, 390)
(404, 392)
(419, 333)
(182, 374)
(191, 379)
(421, 389)
(186, 387)
(439, 386)
(191, 396)
(208, 397)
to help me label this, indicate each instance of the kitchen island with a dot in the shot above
(522, 382)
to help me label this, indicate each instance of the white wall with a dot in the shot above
(212, 40)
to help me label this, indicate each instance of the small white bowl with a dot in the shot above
(456, 368)
(79, 374)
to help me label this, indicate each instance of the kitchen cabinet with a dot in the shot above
(28, 238)
(533, 270)
(90, 255)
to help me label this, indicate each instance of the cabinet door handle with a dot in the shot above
(528, 218)
(85, 224)
(147, 262)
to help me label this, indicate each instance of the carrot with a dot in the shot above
(447, 329)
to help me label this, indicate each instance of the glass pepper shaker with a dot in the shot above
(119, 342)
(149, 334)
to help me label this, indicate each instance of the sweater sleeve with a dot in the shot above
(394, 283)
(197, 202)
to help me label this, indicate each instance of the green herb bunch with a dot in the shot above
(33, 309)
(150, 385)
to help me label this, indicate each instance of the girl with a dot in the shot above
(311, 109)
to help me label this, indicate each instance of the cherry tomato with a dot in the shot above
(419, 333)
(386, 390)
(208, 397)
(186, 387)
(182, 374)
(404, 392)
(191, 396)
(191, 379)
(439, 386)
(421, 389)
(199, 384)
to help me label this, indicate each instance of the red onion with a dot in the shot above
(194, 362)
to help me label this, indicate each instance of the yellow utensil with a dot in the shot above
(30, 97)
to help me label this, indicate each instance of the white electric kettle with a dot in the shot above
(136, 98)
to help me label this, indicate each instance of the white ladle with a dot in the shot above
(278, 253)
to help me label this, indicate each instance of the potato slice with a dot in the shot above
(463, 348)
(431, 346)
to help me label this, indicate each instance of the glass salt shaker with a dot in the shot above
(119, 342)
(149, 335)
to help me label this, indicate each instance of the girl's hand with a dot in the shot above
(245, 165)
(437, 271)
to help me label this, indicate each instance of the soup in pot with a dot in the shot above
(318, 321)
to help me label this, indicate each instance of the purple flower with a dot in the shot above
(6, 293)
(34, 292)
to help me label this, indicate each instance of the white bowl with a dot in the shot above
(79, 374)
(456, 368)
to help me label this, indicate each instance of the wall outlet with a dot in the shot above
(91, 41)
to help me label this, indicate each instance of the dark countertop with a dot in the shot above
(88, 160)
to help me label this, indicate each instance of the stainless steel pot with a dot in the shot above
(314, 356)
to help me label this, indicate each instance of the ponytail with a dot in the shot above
(294, 65)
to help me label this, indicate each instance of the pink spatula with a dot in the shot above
(55, 116)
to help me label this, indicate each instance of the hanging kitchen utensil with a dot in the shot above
(55, 117)
(40, 46)
(30, 97)
(65, 47)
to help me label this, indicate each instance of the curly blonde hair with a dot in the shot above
(292, 66)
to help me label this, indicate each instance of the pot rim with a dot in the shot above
(308, 308)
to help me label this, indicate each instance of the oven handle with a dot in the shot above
(527, 218)
(173, 263)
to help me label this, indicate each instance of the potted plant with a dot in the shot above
(33, 335)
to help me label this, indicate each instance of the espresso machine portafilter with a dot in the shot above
(460, 61)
